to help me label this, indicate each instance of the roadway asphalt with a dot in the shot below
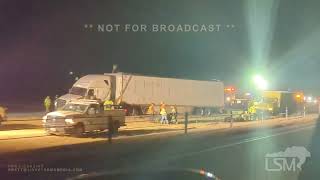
(237, 153)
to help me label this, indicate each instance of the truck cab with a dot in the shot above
(80, 116)
(93, 86)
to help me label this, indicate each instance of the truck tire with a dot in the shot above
(78, 130)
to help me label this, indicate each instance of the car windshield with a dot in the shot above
(78, 91)
(75, 107)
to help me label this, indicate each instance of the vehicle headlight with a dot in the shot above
(270, 109)
(69, 121)
(44, 118)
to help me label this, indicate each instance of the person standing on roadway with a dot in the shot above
(3, 114)
(108, 105)
(47, 104)
(56, 102)
(174, 115)
(252, 111)
(151, 111)
(163, 113)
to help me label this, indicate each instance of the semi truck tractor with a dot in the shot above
(136, 92)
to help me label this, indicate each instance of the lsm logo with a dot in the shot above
(291, 159)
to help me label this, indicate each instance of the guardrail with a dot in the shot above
(181, 118)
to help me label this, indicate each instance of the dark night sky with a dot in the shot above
(40, 42)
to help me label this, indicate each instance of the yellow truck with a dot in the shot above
(274, 103)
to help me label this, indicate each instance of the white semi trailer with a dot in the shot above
(137, 92)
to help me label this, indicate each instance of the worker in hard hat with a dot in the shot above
(108, 105)
(3, 114)
(151, 111)
(252, 111)
(47, 104)
(163, 113)
(173, 115)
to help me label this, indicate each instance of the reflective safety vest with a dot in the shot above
(173, 111)
(163, 111)
(252, 110)
(150, 109)
(47, 102)
(3, 112)
(107, 105)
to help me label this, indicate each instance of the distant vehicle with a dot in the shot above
(136, 92)
(238, 104)
(276, 102)
(238, 108)
(3, 114)
(80, 116)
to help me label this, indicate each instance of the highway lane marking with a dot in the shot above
(15, 138)
(21, 134)
(248, 140)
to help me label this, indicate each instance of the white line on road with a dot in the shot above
(21, 134)
(240, 142)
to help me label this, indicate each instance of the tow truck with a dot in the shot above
(80, 116)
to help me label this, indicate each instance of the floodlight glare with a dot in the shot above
(260, 82)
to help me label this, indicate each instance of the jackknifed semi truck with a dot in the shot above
(136, 92)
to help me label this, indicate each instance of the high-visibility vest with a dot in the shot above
(2, 112)
(107, 104)
(163, 111)
(47, 102)
(252, 110)
(150, 109)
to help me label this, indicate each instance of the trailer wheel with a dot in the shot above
(78, 130)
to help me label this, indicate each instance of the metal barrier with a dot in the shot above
(181, 118)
